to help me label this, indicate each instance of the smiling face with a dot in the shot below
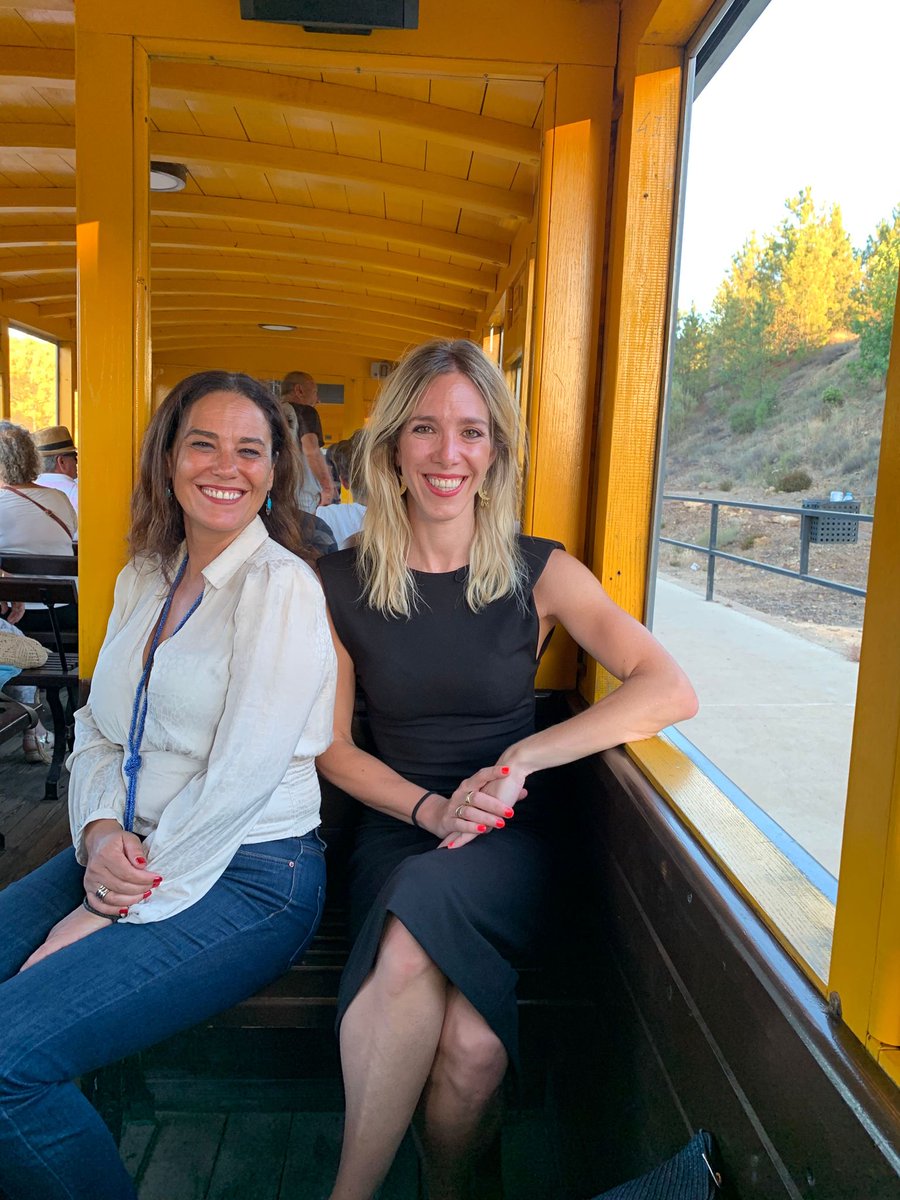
(222, 468)
(444, 449)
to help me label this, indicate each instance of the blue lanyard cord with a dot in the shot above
(139, 709)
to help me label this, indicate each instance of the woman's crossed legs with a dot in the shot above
(410, 1036)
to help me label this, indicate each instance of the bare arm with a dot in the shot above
(654, 692)
(380, 787)
(310, 445)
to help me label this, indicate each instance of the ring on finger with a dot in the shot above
(459, 810)
(102, 892)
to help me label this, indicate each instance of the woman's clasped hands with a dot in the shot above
(116, 876)
(482, 803)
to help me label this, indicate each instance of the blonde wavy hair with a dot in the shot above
(495, 563)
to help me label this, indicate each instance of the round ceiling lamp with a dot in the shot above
(167, 177)
(277, 328)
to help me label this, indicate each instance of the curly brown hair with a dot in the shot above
(157, 522)
(19, 459)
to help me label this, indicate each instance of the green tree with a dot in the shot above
(877, 296)
(32, 380)
(691, 362)
(810, 273)
(739, 337)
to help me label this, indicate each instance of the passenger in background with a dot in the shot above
(298, 388)
(60, 461)
(33, 519)
(197, 874)
(345, 520)
(440, 617)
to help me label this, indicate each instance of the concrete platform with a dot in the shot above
(776, 712)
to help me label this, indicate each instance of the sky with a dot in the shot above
(809, 98)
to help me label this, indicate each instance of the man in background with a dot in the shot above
(345, 520)
(298, 389)
(59, 460)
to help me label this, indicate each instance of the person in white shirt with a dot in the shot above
(59, 460)
(345, 520)
(197, 874)
(33, 519)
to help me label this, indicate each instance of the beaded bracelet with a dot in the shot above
(417, 806)
(97, 913)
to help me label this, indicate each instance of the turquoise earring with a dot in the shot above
(268, 504)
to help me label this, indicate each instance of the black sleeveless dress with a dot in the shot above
(447, 691)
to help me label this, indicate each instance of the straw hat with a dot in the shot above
(56, 439)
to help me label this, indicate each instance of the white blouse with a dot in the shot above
(24, 529)
(241, 701)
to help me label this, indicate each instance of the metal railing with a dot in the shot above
(711, 550)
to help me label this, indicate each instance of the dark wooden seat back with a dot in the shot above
(39, 564)
(52, 593)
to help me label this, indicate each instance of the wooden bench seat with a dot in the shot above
(60, 672)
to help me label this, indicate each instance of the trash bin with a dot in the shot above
(829, 526)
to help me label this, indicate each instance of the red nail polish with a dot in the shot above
(481, 828)
(147, 895)
(140, 860)
(504, 770)
(501, 824)
(450, 845)
(157, 881)
(507, 812)
(123, 912)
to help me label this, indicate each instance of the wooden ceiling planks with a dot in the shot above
(374, 206)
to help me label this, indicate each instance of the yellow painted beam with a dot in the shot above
(338, 348)
(450, 126)
(568, 276)
(633, 367)
(37, 66)
(193, 149)
(239, 313)
(20, 136)
(44, 5)
(323, 220)
(66, 385)
(276, 270)
(466, 36)
(37, 199)
(193, 295)
(34, 293)
(866, 959)
(318, 251)
(112, 92)
(36, 264)
(5, 397)
(37, 235)
(227, 321)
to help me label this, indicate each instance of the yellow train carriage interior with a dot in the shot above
(182, 188)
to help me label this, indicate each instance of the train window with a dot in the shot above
(789, 248)
(33, 380)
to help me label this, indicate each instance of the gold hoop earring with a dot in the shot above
(484, 498)
(402, 485)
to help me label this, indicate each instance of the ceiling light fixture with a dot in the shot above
(167, 177)
(277, 328)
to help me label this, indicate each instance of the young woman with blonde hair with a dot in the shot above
(440, 616)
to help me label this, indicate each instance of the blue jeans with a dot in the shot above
(120, 990)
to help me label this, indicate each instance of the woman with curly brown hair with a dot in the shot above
(196, 875)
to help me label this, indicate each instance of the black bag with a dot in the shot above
(690, 1175)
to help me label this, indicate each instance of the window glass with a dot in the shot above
(788, 275)
(33, 380)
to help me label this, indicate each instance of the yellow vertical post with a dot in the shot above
(568, 271)
(354, 414)
(65, 384)
(865, 960)
(5, 395)
(112, 245)
(637, 305)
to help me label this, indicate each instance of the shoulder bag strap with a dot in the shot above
(52, 515)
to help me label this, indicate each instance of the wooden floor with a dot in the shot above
(34, 830)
